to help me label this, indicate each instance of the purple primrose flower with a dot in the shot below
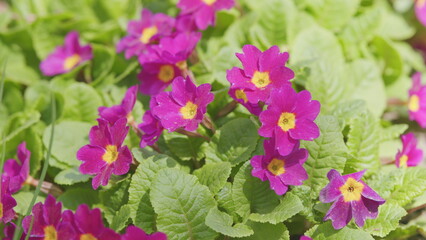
(150, 126)
(410, 155)
(280, 171)
(18, 170)
(240, 96)
(184, 106)
(123, 110)
(135, 233)
(289, 117)
(351, 197)
(417, 101)
(420, 9)
(7, 202)
(156, 76)
(105, 154)
(66, 57)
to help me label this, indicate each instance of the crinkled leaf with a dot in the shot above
(267, 231)
(214, 175)
(223, 223)
(388, 220)
(181, 204)
(326, 231)
(81, 103)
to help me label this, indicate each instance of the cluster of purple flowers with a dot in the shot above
(49, 222)
(288, 118)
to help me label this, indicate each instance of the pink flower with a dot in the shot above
(123, 110)
(352, 198)
(289, 117)
(7, 202)
(105, 155)
(240, 96)
(157, 76)
(18, 170)
(144, 32)
(420, 8)
(135, 233)
(47, 222)
(184, 106)
(410, 155)
(417, 101)
(151, 126)
(185, 23)
(9, 231)
(87, 224)
(67, 57)
(280, 171)
(263, 72)
(204, 11)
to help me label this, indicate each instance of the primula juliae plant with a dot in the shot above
(213, 119)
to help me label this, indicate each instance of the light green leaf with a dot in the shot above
(81, 103)
(114, 197)
(234, 142)
(214, 175)
(388, 220)
(181, 204)
(326, 231)
(319, 50)
(70, 176)
(413, 185)
(326, 152)
(120, 219)
(23, 200)
(142, 212)
(392, 132)
(345, 111)
(389, 58)
(334, 14)
(289, 206)
(268, 231)
(222, 223)
(69, 137)
(184, 147)
(363, 144)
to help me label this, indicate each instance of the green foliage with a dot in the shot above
(214, 175)
(325, 153)
(181, 204)
(223, 223)
(326, 232)
(388, 220)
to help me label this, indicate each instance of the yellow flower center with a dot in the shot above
(420, 3)
(189, 110)
(240, 94)
(209, 2)
(351, 190)
(182, 65)
(276, 167)
(147, 34)
(413, 103)
(87, 236)
(50, 233)
(287, 121)
(71, 61)
(1, 210)
(110, 154)
(403, 161)
(261, 79)
(166, 74)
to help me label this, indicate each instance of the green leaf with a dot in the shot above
(113, 198)
(184, 147)
(413, 185)
(222, 223)
(69, 137)
(334, 14)
(142, 212)
(326, 152)
(214, 175)
(23, 200)
(394, 26)
(388, 220)
(70, 176)
(251, 195)
(234, 142)
(81, 103)
(181, 204)
(392, 132)
(326, 231)
(224, 199)
(268, 231)
(363, 144)
(120, 219)
(289, 206)
(365, 83)
(102, 61)
(74, 197)
(319, 50)
(389, 58)
(345, 111)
